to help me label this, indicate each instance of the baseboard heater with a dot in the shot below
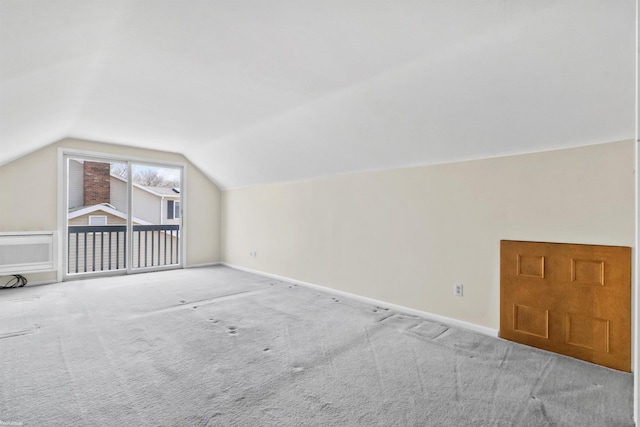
(26, 252)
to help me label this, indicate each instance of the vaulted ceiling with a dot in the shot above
(261, 91)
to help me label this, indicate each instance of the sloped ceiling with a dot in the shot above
(260, 91)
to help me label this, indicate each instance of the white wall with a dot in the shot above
(406, 235)
(30, 197)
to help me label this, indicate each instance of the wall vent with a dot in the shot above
(26, 252)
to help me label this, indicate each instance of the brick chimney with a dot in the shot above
(96, 183)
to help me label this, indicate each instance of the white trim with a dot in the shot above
(107, 209)
(635, 288)
(635, 324)
(183, 215)
(26, 233)
(100, 156)
(129, 213)
(206, 264)
(426, 315)
(179, 209)
(63, 211)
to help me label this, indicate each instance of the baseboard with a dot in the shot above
(426, 315)
(206, 264)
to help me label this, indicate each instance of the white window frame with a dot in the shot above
(176, 209)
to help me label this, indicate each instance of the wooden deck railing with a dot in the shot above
(104, 248)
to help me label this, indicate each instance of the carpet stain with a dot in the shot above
(202, 302)
(23, 332)
(382, 319)
(429, 330)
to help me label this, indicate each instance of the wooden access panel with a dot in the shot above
(570, 299)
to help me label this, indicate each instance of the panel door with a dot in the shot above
(570, 299)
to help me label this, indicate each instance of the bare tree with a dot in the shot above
(119, 169)
(149, 177)
(171, 183)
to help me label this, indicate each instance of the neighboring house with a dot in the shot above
(92, 184)
(102, 214)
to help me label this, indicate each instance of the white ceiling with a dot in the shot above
(261, 91)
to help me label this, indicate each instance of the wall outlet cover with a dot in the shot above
(458, 289)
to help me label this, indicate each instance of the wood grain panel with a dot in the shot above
(588, 272)
(531, 320)
(530, 265)
(587, 332)
(567, 298)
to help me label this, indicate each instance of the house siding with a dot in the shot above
(146, 206)
(119, 194)
(111, 219)
(75, 192)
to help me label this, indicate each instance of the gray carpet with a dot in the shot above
(220, 347)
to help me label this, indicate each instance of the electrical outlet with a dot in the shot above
(457, 289)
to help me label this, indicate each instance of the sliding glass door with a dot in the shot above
(121, 216)
(156, 195)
